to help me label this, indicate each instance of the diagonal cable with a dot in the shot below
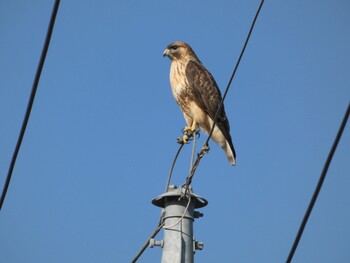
(234, 71)
(206, 147)
(319, 185)
(30, 102)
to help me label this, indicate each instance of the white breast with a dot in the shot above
(178, 80)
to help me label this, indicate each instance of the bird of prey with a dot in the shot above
(198, 96)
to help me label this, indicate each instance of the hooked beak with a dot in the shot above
(166, 52)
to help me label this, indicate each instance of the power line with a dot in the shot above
(194, 135)
(319, 185)
(206, 147)
(172, 167)
(161, 224)
(234, 71)
(31, 101)
(155, 232)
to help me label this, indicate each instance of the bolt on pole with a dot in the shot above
(179, 244)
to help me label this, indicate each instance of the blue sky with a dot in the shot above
(102, 134)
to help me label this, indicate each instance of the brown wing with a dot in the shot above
(207, 95)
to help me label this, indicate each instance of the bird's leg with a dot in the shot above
(191, 128)
(188, 131)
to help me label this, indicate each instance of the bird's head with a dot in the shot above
(179, 50)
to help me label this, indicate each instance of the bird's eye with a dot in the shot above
(174, 47)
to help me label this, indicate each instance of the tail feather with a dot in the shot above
(225, 143)
(230, 152)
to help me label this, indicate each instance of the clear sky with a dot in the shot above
(102, 134)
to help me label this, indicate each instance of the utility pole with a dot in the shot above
(178, 244)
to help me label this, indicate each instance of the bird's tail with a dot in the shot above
(225, 143)
(230, 152)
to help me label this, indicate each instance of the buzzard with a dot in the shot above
(198, 96)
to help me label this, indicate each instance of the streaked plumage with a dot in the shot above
(198, 95)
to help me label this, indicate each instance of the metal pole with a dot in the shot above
(179, 244)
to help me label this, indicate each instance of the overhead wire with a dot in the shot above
(172, 167)
(319, 185)
(31, 101)
(205, 147)
(193, 147)
(155, 232)
(194, 135)
(183, 215)
(234, 72)
(161, 222)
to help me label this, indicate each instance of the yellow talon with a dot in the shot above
(185, 138)
(191, 128)
(189, 131)
(187, 128)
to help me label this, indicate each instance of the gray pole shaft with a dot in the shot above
(178, 237)
(178, 217)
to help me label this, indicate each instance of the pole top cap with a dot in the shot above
(174, 192)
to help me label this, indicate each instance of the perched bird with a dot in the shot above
(198, 96)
